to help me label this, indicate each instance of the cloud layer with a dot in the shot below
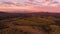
(32, 6)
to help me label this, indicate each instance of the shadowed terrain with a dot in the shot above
(29, 23)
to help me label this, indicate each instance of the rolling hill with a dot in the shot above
(29, 23)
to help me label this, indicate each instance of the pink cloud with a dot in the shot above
(34, 7)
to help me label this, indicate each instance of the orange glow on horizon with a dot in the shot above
(35, 6)
(28, 8)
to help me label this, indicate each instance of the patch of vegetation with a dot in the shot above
(33, 24)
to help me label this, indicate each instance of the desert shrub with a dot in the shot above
(47, 25)
(55, 29)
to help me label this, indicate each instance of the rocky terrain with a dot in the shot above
(29, 23)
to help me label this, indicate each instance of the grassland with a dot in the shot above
(30, 24)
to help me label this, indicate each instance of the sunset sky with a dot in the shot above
(30, 6)
(19, 0)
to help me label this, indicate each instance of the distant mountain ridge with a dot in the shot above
(36, 13)
(5, 15)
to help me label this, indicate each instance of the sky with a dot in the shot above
(18, 0)
(35, 7)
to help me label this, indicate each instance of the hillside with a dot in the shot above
(29, 23)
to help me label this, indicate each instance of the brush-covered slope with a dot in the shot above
(29, 23)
